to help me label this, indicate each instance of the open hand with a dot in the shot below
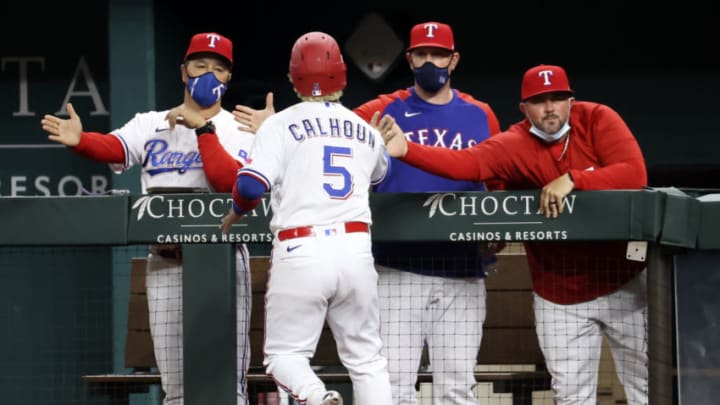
(250, 118)
(64, 131)
(395, 142)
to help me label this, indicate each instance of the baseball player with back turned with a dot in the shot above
(169, 145)
(582, 290)
(319, 160)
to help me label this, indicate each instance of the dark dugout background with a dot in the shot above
(654, 66)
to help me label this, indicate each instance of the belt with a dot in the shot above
(305, 231)
(167, 251)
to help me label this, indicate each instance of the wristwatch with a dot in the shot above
(208, 128)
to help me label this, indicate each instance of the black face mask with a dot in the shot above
(430, 77)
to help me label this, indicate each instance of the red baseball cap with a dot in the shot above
(432, 33)
(210, 42)
(544, 79)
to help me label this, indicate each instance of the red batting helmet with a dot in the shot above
(544, 79)
(316, 65)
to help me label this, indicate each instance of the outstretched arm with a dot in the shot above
(93, 145)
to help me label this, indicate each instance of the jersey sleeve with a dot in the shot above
(224, 152)
(247, 193)
(493, 122)
(622, 165)
(220, 168)
(266, 155)
(367, 109)
(493, 129)
(448, 163)
(382, 167)
(100, 147)
(502, 156)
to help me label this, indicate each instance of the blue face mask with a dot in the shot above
(430, 77)
(206, 89)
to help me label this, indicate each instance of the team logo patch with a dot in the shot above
(316, 91)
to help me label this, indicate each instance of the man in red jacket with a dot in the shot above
(582, 290)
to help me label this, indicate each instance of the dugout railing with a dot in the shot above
(672, 224)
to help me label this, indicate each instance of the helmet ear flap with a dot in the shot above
(316, 65)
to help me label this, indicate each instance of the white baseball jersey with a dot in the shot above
(312, 150)
(319, 159)
(170, 158)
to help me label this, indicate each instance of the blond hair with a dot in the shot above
(332, 97)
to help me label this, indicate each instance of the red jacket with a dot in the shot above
(601, 154)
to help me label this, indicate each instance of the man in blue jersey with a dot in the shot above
(438, 297)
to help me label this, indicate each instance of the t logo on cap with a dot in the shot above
(212, 38)
(433, 34)
(211, 42)
(430, 27)
(543, 79)
(546, 74)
